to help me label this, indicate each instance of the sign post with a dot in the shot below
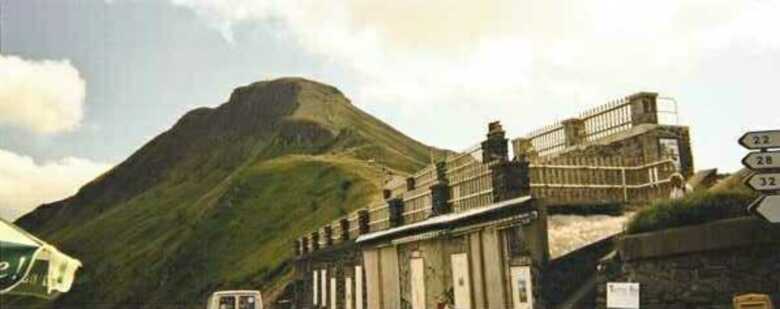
(765, 165)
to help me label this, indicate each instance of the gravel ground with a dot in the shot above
(570, 232)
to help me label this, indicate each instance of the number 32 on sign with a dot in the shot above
(764, 182)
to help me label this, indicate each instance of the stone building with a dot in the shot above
(616, 152)
(463, 232)
(471, 231)
(701, 266)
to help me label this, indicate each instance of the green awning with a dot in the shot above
(29, 266)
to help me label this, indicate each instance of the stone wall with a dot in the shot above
(637, 146)
(563, 276)
(625, 129)
(698, 267)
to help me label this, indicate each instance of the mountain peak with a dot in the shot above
(281, 87)
(280, 156)
(261, 120)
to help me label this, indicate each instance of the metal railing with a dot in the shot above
(607, 119)
(601, 183)
(560, 180)
(378, 217)
(549, 139)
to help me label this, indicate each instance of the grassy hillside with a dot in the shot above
(216, 201)
(728, 199)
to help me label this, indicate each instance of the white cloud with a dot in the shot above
(525, 62)
(26, 184)
(42, 96)
(500, 47)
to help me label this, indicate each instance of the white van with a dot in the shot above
(235, 300)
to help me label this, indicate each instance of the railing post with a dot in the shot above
(574, 131)
(625, 185)
(363, 222)
(396, 210)
(305, 244)
(315, 241)
(344, 222)
(644, 108)
(328, 235)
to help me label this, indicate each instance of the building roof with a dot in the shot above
(444, 220)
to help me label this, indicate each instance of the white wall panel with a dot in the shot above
(461, 280)
(417, 268)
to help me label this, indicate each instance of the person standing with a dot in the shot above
(679, 187)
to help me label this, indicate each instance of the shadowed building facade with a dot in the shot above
(463, 232)
(471, 231)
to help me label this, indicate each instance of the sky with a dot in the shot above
(84, 83)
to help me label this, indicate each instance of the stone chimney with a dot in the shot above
(495, 148)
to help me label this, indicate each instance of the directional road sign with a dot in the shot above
(767, 207)
(764, 182)
(762, 160)
(761, 139)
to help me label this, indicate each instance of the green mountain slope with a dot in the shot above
(216, 201)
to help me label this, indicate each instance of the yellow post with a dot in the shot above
(753, 301)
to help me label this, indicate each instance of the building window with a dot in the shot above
(670, 149)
